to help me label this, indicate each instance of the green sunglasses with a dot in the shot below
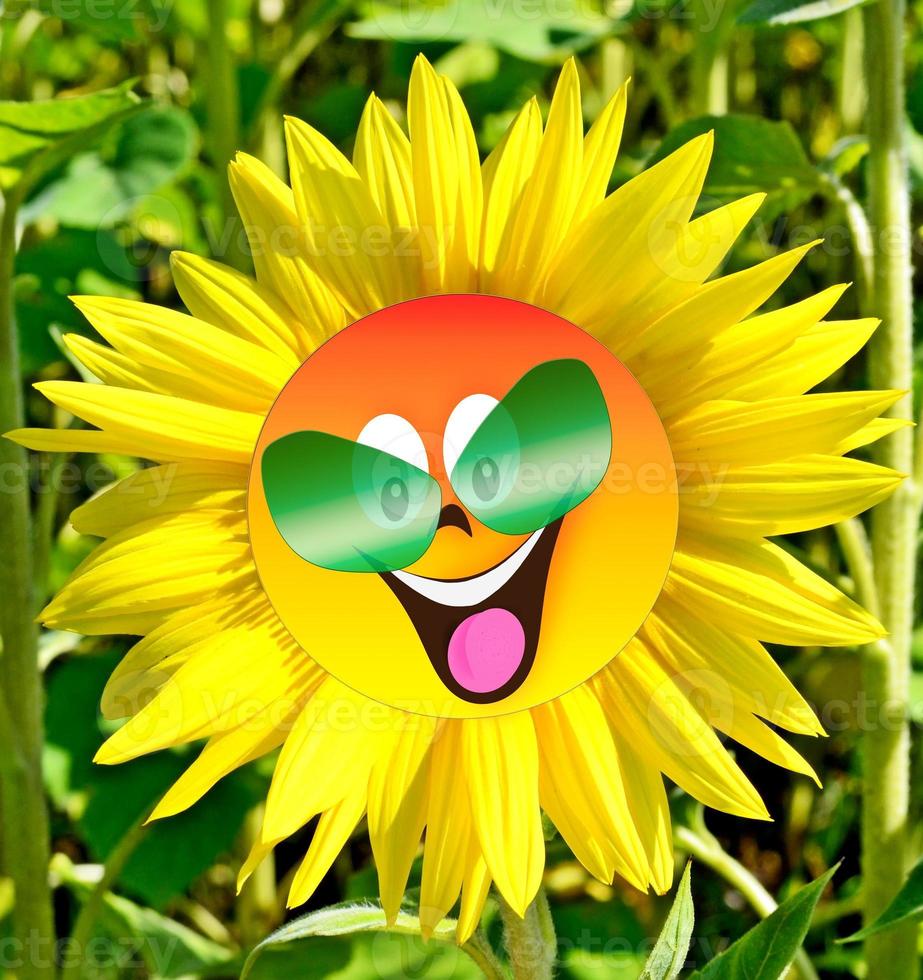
(541, 451)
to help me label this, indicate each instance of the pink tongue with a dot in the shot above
(486, 649)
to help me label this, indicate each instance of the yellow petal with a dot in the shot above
(811, 358)
(448, 830)
(543, 214)
(446, 180)
(627, 233)
(397, 799)
(713, 308)
(500, 756)
(650, 809)
(73, 441)
(277, 245)
(208, 363)
(333, 831)
(743, 663)
(223, 687)
(156, 657)
(579, 764)
(159, 427)
(600, 149)
(474, 893)
(689, 253)
(759, 590)
(505, 173)
(228, 751)
(722, 706)
(338, 724)
(348, 242)
(875, 430)
(668, 731)
(133, 581)
(227, 298)
(158, 490)
(713, 368)
(785, 498)
(382, 158)
(112, 368)
(730, 434)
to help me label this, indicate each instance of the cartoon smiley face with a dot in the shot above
(462, 505)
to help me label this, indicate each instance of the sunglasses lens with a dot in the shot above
(348, 507)
(542, 450)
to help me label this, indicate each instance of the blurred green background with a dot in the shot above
(103, 217)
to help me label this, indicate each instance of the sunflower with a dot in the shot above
(635, 272)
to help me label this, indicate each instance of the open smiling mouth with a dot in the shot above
(481, 632)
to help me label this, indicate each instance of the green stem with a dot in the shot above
(894, 523)
(530, 941)
(704, 846)
(710, 70)
(862, 239)
(850, 92)
(481, 953)
(77, 965)
(223, 106)
(23, 813)
(857, 551)
(46, 506)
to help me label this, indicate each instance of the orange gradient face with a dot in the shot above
(449, 609)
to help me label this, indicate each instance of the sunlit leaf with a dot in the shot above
(751, 154)
(173, 852)
(135, 937)
(767, 950)
(35, 137)
(100, 188)
(668, 957)
(548, 31)
(349, 919)
(794, 11)
(907, 905)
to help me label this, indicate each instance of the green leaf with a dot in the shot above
(99, 189)
(767, 950)
(345, 920)
(71, 730)
(668, 957)
(906, 904)
(751, 155)
(36, 137)
(778, 12)
(549, 31)
(846, 155)
(140, 936)
(173, 852)
(51, 269)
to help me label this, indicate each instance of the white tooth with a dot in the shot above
(471, 591)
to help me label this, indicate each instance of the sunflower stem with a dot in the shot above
(703, 845)
(530, 941)
(223, 107)
(857, 552)
(481, 953)
(77, 964)
(22, 807)
(886, 673)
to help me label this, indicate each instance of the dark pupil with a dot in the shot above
(395, 498)
(486, 478)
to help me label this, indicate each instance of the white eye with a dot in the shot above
(395, 435)
(464, 421)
